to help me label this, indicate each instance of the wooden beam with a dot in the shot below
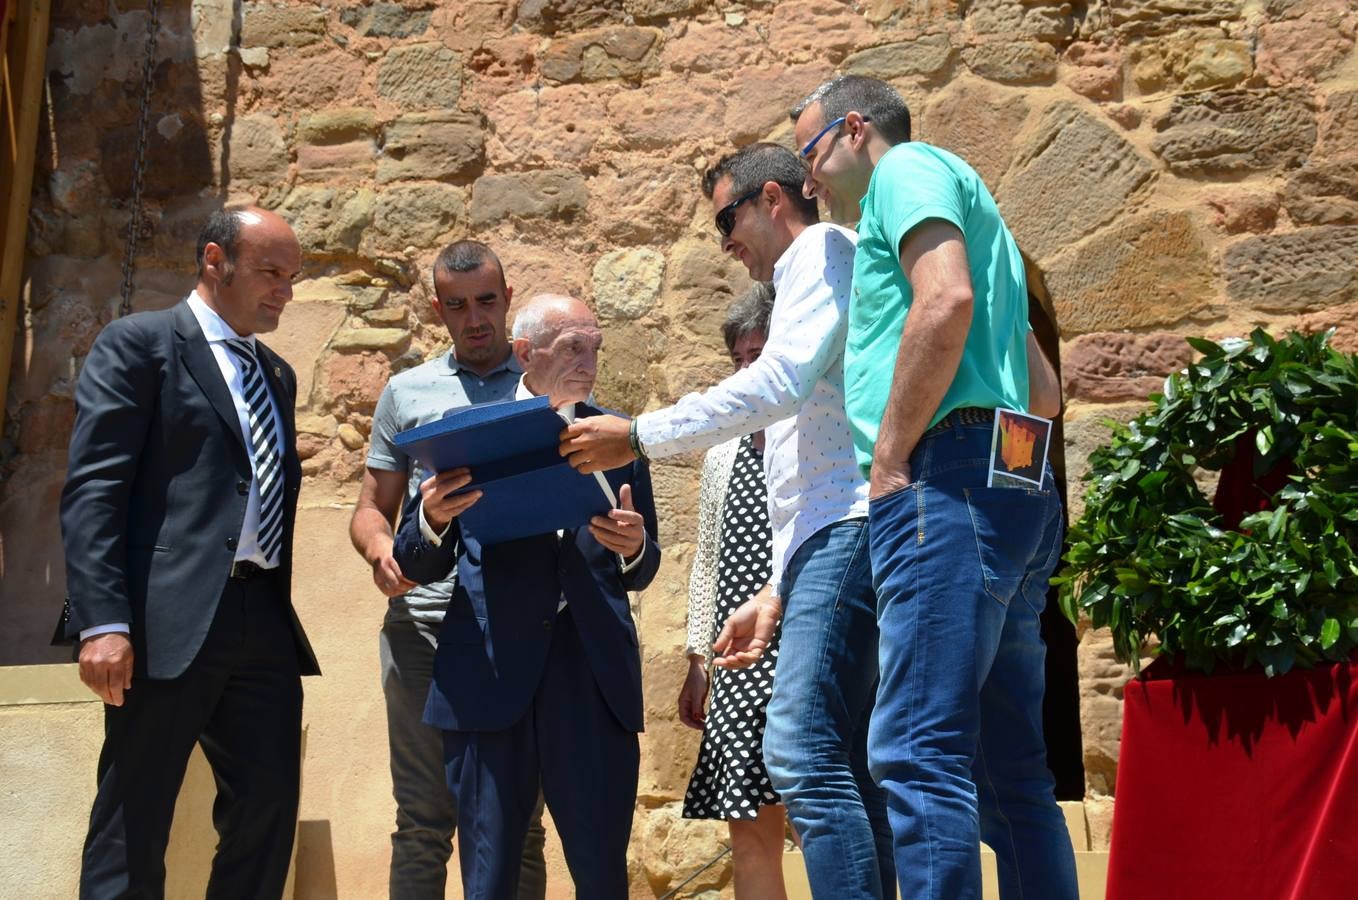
(25, 64)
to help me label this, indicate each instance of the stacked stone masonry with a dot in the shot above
(1170, 167)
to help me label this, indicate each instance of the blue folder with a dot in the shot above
(511, 448)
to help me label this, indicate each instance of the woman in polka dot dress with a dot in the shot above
(733, 562)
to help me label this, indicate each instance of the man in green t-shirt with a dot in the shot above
(936, 341)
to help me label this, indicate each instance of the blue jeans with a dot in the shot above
(815, 743)
(961, 574)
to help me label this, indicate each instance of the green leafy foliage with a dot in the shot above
(1150, 556)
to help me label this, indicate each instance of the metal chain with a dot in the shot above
(134, 222)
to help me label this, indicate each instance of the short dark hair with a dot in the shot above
(871, 97)
(223, 229)
(467, 256)
(749, 314)
(750, 168)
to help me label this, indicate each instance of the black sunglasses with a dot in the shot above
(726, 216)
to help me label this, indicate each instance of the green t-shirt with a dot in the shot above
(914, 182)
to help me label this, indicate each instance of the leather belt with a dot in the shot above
(966, 415)
(244, 570)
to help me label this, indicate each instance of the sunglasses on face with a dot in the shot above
(805, 154)
(726, 216)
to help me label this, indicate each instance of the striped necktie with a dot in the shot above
(268, 463)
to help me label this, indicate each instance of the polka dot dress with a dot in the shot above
(729, 780)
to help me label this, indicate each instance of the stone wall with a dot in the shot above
(1170, 167)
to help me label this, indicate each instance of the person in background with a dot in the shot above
(733, 561)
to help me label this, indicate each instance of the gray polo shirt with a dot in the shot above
(412, 398)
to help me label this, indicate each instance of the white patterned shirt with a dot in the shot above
(794, 391)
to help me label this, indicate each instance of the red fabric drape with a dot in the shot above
(1234, 785)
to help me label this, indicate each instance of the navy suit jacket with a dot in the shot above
(498, 627)
(157, 486)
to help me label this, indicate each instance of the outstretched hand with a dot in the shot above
(623, 530)
(748, 631)
(597, 443)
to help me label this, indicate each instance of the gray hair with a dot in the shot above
(531, 322)
(749, 315)
(870, 97)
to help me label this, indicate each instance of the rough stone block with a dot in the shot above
(646, 119)
(1190, 61)
(1235, 131)
(1323, 194)
(624, 51)
(303, 332)
(1020, 62)
(758, 98)
(924, 57)
(1295, 272)
(416, 215)
(817, 30)
(389, 20)
(1344, 319)
(977, 121)
(557, 16)
(1040, 20)
(178, 161)
(553, 193)
(678, 847)
(273, 25)
(323, 76)
(622, 383)
(1235, 210)
(1156, 17)
(320, 425)
(354, 381)
(1086, 429)
(627, 283)
(1073, 176)
(337, 162)
(1118, 366)
(366, 340)
(420, 76)
(708, 47)
(257, 154)
(1338, 121)
(337, 126)
(1309, 46)
(638, 200)
(550, 125)
(329, 222)
(1146, 270)
(1093, 70)
(431, 146)
(648, 10)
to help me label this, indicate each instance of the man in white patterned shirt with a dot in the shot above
(815, 742)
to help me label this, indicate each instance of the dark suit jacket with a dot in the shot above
(498, 627)
(157, 486)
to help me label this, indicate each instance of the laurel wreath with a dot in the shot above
(1149, 557)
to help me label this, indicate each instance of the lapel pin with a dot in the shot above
(277, 371)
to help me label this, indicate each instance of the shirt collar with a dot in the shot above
(566, 409)
(810, 234)
(511, 364)
(215, 328)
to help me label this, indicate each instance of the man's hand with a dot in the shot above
(693, 695)
(887, 478)
(441, 506)
(623, 530)
(748, 631)
(597, 443)
(106, 666)
(387, 575)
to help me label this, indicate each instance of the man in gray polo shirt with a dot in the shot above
(472, 299)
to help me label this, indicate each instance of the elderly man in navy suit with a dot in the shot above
(537, 680)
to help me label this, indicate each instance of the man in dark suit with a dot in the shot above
(177, 520)
(537, 679)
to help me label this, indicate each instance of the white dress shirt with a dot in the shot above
(217, 332)
(566, 412)
(794, 391)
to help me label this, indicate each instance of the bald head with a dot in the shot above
(247, 261)
(557, 341)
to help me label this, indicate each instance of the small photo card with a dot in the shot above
(1018, 449)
